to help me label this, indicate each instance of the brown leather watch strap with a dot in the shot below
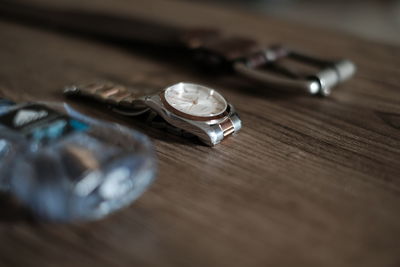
(209, 48)
(128, 29)
(105, 26)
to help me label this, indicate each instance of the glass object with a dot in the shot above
(68, 167)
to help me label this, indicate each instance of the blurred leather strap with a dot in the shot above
(209, 48)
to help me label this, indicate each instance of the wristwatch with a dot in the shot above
(192, 108)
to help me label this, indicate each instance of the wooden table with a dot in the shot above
(307, 182)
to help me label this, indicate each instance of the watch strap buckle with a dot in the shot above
(245, 57)
(265, 67)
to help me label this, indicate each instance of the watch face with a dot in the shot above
(195, 100)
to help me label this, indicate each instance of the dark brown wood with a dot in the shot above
(308, 181)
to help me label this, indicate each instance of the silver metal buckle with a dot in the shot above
(330, 74)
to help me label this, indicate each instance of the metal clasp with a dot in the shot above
(267, 67)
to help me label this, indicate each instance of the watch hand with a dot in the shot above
(191, 106)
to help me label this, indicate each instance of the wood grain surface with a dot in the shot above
(307, 182)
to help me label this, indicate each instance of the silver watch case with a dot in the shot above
(210, 132)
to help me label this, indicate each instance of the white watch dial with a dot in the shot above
(195, 100)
